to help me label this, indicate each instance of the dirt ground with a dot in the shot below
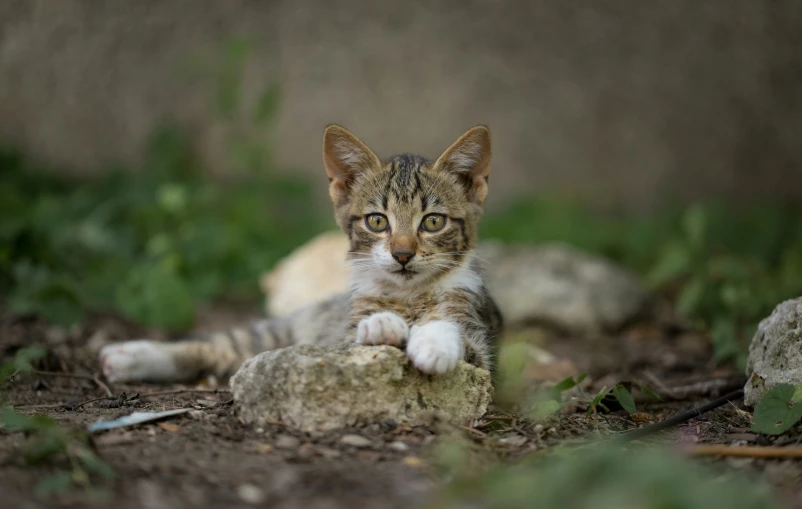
(212, 459)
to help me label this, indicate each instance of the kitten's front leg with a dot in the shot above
(435, 347)
(383, 328)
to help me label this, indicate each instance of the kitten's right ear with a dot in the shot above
(345, 158)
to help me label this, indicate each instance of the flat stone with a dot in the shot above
(319, 388)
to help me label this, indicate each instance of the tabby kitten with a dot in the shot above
(415, 284)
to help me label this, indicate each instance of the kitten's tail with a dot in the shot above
(221, 354)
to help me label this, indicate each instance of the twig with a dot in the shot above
(752, 451)
(473, 430)
(82, 403)
(102, 386)
(76, 376)
(695, 389)
(680, 418)
(179, 391)
(63, 375)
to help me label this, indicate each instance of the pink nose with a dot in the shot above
(403, 257)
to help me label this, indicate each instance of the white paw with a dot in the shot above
(383, 328)
(435, 347)
(137, 361)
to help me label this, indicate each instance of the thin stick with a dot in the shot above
(103, 386)
(752, 451)
(179, 391)
(63, 375)
(680, 418)
(82, 403)
(473, 430)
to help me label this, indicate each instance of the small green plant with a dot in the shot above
(598, 476)
(725, 267)
(778, 410)
(46, 441)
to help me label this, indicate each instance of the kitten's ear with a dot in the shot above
(345, 158)
(469, 157)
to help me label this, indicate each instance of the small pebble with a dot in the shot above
(398, 446)
(287, 442)
(260, 430)
(355, 440)
(251, 494)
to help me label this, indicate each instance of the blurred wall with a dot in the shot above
(620, 102)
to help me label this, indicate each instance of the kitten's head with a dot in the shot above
(409, 220)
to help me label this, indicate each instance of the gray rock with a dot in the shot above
(775, 354)
(558, 286)
(318, 388)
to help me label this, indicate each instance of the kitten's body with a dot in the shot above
(412, 226)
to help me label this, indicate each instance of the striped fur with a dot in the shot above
(410, 286)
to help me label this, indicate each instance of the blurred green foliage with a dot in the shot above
(726, 268)
(46, 442)
(150, 244)
(601, 476)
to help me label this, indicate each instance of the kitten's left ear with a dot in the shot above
(469, 157)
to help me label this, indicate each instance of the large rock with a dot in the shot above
(316, 388)
(562, 287)
(775, 355)
(550, 284)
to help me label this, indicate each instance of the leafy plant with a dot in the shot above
(46, 441)
(724, 267)
(778, 410)
(598, 476)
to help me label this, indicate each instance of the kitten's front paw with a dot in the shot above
(435, 347)
(383, 328)
(136, 361)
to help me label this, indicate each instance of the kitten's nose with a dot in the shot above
(403, 257)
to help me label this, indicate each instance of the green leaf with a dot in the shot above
(93, 464)
(568, 383)
(54, 484)
(543, 408)
(41, 448)
(690, 298)
(13, 420)
(266, 106)
(648, 392)
(674, 262)
(597, 400)
(694, 224)
(26, 356)
(624, 398)
(154, 295)
(778, 411)
(724, 336)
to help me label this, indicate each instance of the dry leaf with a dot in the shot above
(264, 448)
(414, 462)
(169, 426)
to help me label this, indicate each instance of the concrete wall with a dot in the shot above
(621, 102)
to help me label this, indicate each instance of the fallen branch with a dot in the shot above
(680, 418)
(752, 451)
(103, 386)
(57, 374)
(179, 391)
(702, 388)
(75, 376)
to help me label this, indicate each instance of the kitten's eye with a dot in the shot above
(376, 222)
(433, 222)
